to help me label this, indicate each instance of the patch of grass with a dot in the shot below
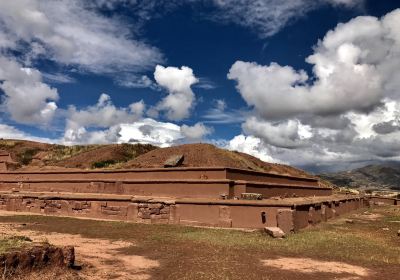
(103, 163)
(27, 155)
(14, 242)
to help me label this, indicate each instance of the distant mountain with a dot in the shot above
(376, 176)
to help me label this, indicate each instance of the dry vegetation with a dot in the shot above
(40, 155)
(370, 242)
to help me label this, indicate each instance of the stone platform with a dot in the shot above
(290, 214)
(211, 183)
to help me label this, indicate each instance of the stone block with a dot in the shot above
(155, 205)
(164, 210)
(132, 212)
(274, 232)
(251, 196)
(174, 161)
(285, 220)
(155, 211)
(164, 216)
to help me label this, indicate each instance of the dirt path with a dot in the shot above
(310, 266)
(100, 258)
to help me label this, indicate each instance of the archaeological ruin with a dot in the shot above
(198, 196)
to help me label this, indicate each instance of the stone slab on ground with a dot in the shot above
(274, 232)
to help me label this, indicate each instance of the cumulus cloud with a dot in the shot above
(70, 33)
(104, 114)
(177, 81)
(27, 99)
(347, 111)
(195, 132)
(250, 145)
(105, 123)
(354, 67)
(150, 131)
(289, 134)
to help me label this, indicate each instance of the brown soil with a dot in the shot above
(311, 266)
(101, 258)
(206, 155)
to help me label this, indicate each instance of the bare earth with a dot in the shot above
(100, 257)
(306, 265)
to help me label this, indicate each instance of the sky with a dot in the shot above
(310, 83)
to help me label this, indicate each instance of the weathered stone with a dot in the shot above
(284, 218)
(398, 232)
(155, 205)
(132, 212)
(251, 196)
(174, 161)
(155, 211)
(164, 216)
(275, 232)
(348, 221)
(164, 210)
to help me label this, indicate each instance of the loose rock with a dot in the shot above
(275, 232)
(174, 161)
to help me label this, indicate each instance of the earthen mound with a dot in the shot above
(206, 155)
(34, 155)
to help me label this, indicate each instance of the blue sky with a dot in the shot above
(308, 83)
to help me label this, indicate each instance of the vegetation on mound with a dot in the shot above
(14, 242)
(34, 154)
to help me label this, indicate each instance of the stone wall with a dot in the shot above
(290, 215)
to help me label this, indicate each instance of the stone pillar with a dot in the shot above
(285, 220)
(132, 212)
(224, 219)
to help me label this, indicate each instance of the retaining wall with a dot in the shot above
(289, 214)
(174, 182)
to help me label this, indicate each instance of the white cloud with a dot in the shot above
(355, 67)
(104, 115)
(68, 32)
(58, 78)
(180, 100)
(221, 114)
(250, 145)
(195, 132)
(267, 17)
(10, 132)
(346, 114)
(288, 134)
(27, 99)
(150, 131)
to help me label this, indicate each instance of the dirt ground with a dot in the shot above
(363, 245)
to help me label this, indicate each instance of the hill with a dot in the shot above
(207, 155)
(35, 155)
(373, 177)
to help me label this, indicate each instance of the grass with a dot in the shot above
(11, 243)
(203, 253)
